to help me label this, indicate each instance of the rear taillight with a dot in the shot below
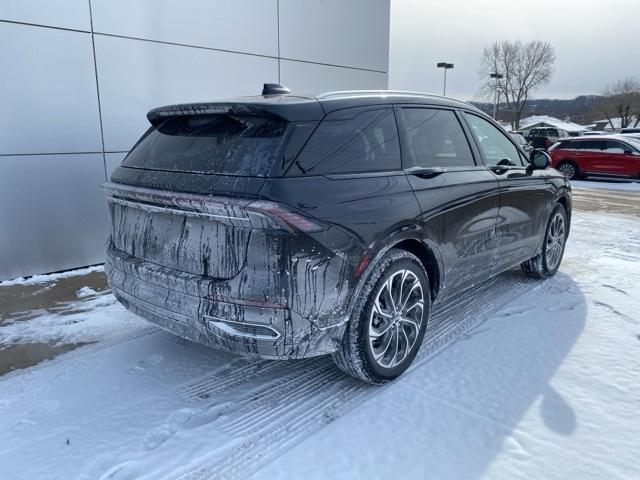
(230, 211)
(283, 216)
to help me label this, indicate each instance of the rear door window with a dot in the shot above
(497, 148)
(222, 144)
(354, 140)
(436, 138)
(590, 145)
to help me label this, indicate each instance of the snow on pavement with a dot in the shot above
(547, 388)
(51, 276)
(607, 184)
(519, 379)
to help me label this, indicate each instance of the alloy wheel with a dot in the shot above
(555, 241)
(568, 170)
(396, 318)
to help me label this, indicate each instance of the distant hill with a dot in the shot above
(578, 110)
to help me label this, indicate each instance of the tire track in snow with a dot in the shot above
(313, 393)
(231, 375)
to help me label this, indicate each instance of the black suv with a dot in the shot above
(290, 226)
(543, 138)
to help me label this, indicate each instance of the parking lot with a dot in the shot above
(519, 378)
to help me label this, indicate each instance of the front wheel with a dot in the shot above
(547, 262)
(388, 322)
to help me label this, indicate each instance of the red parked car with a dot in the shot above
(611, 155)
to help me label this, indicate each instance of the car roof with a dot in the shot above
(360, 98)
(597, 137)
(295, 107)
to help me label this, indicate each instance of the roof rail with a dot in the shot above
(365, 92)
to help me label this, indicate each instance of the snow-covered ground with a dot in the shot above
(51, 277)
(607, 184)
(519, 379)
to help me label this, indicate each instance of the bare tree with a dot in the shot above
(524, 66)
(621, 100)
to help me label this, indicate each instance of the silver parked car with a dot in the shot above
(520, 140)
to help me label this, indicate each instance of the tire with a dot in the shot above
(547, 262)
(569, 169)
(381, 339)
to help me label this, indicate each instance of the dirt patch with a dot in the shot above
(28, 301)
(24, 302)
(23, 355)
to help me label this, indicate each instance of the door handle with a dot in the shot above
(425, 172)
(498, 169)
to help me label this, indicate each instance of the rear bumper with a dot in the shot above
(180, 303)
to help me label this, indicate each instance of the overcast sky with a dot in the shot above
(596, 41)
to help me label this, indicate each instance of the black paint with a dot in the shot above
(185, 247)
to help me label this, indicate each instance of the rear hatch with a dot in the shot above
(180, 198)
(542, 137)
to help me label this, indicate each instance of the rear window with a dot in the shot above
(223, 144)
(351, 141)
(544, 132)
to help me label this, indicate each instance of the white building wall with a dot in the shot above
(80, 75)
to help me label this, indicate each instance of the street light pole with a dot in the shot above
(497, 77)
(446, 66)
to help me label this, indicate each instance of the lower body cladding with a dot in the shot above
(184, 305)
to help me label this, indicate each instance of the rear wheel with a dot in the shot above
(547, 262)
(388, 322)
(569, 169)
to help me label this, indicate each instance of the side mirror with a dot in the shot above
(539, 159)
(628, 151)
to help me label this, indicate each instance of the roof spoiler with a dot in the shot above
(274, 102)
(159, 114)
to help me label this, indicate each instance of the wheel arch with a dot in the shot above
(562, 200)
(565, 200)
(427, 258)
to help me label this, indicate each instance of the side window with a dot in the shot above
(436, 138)
(616, 147)
(497, 148)
(592, 145)
(352, 141)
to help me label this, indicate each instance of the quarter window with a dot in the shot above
(496, 147)
(351, 141)
(436, 138)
